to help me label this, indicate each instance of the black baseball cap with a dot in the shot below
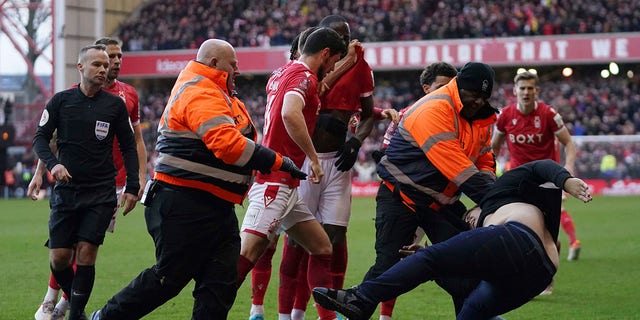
(477, 77)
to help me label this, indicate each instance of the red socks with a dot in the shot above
(339, 264)
(244, 266)
(291, 256)
(386, 307)
(260, 276)
(53, 284)
(303, 294)
(567, 225)
(318, 276)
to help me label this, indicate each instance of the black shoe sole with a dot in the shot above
(351, 312)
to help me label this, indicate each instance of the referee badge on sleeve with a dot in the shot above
(102, 129)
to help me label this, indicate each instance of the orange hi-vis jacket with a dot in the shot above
(435, 151)
(206, 137)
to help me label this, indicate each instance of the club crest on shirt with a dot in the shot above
(536, 122)
(273, 226)
(123, 96)
(514, 121)
(101, 129)
(270, 194)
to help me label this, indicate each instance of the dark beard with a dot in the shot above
(320, 74)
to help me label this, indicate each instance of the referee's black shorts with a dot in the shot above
(80, 213)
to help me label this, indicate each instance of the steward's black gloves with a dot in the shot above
(289, 166)
(378, 154)
(348, 154)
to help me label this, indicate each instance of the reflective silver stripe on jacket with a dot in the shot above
(202, 169)
(404, 179)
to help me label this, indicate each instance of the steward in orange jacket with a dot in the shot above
(439, 152)
(207, 139)
(442, 147)
(207, 154)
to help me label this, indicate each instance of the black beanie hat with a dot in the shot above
(477, 77)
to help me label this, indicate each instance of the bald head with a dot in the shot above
(220, 55)
(213, 48)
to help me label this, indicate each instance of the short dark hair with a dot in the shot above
(429, 74)
(332, 20)
(107, 41)
(303, 37)
(83, 51)
(324, 38)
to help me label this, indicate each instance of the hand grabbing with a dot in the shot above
(289, 166)
(347, 154)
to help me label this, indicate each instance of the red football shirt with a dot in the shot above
(532, 136)
(297, 79)
(354, 84)
(130, 96)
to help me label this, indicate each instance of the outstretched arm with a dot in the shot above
(577, 188)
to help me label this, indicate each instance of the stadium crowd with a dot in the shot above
(589, 104)
(181, 24)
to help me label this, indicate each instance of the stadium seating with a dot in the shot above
(185, 24)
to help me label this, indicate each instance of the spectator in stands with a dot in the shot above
(185, 24)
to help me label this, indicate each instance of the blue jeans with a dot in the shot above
(508, 262)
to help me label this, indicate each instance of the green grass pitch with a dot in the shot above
(603, 284)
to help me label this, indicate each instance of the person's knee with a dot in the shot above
(252, 246)
(322, 246)
(86, 253)
(60, 259)
(171, 284)
(337, 234)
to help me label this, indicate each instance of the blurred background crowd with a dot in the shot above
(589, 104)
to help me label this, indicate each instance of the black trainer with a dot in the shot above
(347, 302)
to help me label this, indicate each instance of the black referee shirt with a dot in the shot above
(86, 128)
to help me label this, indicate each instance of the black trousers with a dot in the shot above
(196, 237)
(508, 262)
(396, 225)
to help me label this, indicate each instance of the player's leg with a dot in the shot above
(337, 271)
(292, 255)
(334, 212)
(60, 311)
(386, 309)
(566, 221)
(267, 203)
(303, 293)
(260, 277)
(49, 301)
(308, 232)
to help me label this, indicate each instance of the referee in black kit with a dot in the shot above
(86, 119)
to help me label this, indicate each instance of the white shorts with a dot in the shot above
(329, 200)
(112, 224)
(273, 209)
